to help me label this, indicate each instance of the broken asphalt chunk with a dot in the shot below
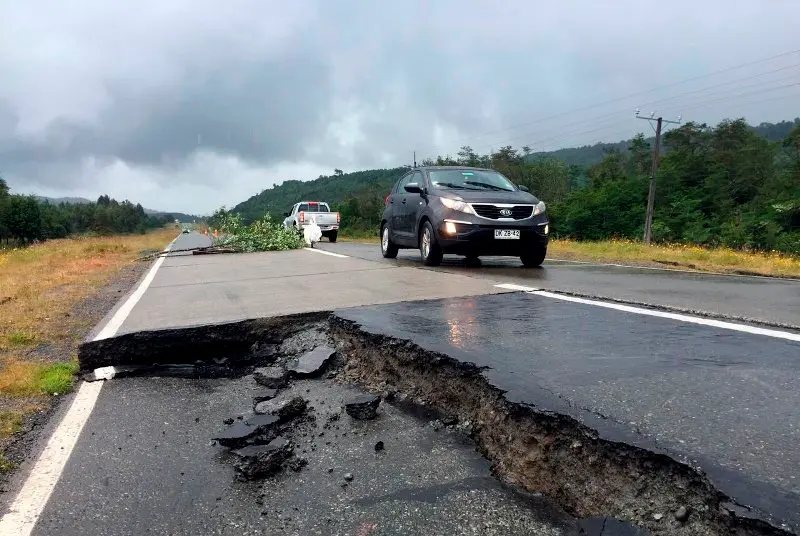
(363, 407)
(312, 363)
(285, 409)
(271, 377)
(267, 394)
(258, 461)
(238, 434)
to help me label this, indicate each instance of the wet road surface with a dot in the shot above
(190, 290)
(727, 401)
(760, 299)
(724, 401)
(146, 466)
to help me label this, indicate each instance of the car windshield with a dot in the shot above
(469, 179)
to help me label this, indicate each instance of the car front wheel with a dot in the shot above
(388, 249)
(429, 248)
(535, 258)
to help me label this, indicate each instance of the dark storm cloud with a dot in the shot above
(111, 94)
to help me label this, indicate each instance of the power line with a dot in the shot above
(682, 106)
(635, 94)
(661, 101)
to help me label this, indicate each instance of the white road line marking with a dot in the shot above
(327, 253)
(29, 503)
(32, 498)
(113, 325)
(510, 286)
(675, 316)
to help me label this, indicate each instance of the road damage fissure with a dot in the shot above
(532, 449)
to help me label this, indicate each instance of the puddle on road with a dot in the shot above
(310, 366)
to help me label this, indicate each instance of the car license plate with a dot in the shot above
(506, 234)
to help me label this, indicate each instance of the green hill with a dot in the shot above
(364, 187)
(334, 189)
(589, 155)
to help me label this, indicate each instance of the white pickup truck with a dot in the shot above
(301, 214)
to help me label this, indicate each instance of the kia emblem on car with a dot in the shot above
(505, 212)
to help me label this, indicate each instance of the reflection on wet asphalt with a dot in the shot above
(774, 301)
(726, 400)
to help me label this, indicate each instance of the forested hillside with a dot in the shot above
(335, 189)
(25, 218)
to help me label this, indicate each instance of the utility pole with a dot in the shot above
(651, 195)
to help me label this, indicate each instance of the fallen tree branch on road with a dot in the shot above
(261, 235)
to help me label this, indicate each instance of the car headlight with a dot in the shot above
(454, 204)
(539, 208)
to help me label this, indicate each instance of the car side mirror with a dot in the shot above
(523, 188)
(413, 188)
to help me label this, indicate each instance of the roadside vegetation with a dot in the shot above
(680, 256)
(26, 219)
(732, 187)
(42, 320)
(264, 234)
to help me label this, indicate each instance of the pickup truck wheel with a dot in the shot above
(332, 236)
(535, 258)
(388, 249)
(429, 248)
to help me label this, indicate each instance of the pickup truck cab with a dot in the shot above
(301, 213)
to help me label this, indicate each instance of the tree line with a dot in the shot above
(726, 185)
(24, 219)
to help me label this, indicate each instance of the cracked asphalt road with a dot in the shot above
(726, 400)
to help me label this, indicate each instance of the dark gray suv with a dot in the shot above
(464, 211)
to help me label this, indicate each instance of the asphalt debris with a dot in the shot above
(256, 461)
(285, 409)
(271, 377)
(267, 394)
(363, 407)
(313, 363)
(256, 427)
(681, 514)
(379, 446)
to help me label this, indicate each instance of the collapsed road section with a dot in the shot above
(302, 378)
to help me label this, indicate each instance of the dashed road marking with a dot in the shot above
(511, 286)
(332, 254)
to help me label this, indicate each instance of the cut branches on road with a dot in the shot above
(261, 235)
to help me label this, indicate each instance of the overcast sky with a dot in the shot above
(189, 104)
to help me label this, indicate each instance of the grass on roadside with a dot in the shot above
(719, 260)
(39, 287)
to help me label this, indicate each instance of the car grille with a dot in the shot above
(518, 212)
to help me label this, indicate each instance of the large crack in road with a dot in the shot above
(544, 460)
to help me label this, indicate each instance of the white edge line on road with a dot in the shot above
(32, 498)
(113, 325)
(29, 503)
(511, 286)
(674, 316)
(339, 255)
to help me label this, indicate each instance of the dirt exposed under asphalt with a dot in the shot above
(537, 452)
